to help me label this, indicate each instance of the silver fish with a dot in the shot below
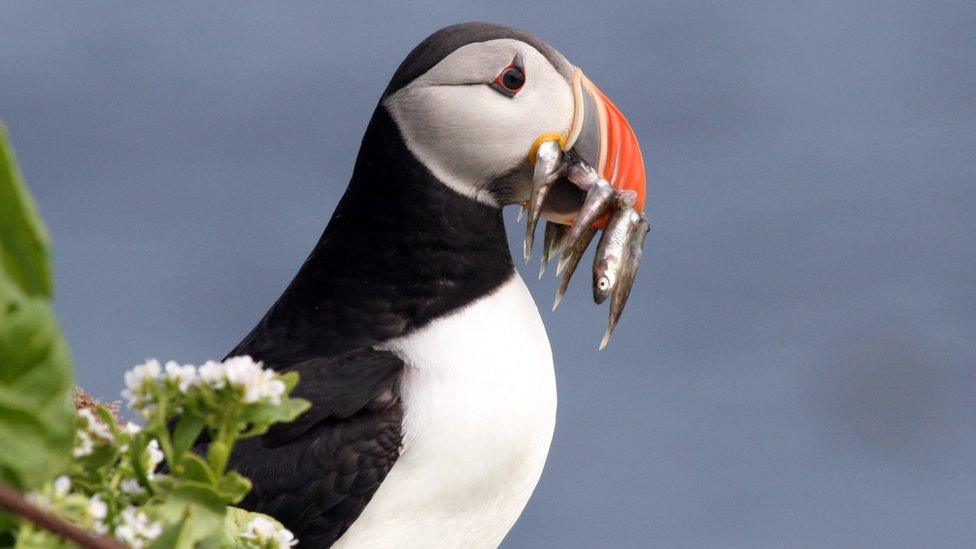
(625, 278)
(597, 200)
(582, 175)
(611, 252)
(569, 263)
(548, 166)
(554, 234)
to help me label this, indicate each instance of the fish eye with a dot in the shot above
(603, 283)
(511, 79)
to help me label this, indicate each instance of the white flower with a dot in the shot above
(139, 374)
(285, 538)
(130, 429)
(131, 487)
(94, 426)
(213, 374)
(61, 485)
(155, 456)
(46, 498)
(96, 507)
(137, 383)
(37, 499)
(262, 386)
(258, 384)
(92, 431)
(240, 369)
(135, 528)
(267, 534)
(84, 446)
(183, 376)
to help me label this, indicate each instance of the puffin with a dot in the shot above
(419, 347)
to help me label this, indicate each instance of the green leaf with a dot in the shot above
(24, 243)
(263, 416)
(191, 531)
(290, 380)
(33, 537)
(233, 487)
(186, 432)
(196, 513)
(8, 529)
(36, 391)
(108, 418)
(36, 381)
(101, 457)
(195, 468)
(217, 455)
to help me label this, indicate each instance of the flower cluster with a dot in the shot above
(136, 529)
(112, 487)
(89, 511)
(147, 382)
(91, 433)
(150, 458)
(139, 384)
(258, 384)
(265, 534)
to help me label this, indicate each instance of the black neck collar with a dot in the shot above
(401, 249)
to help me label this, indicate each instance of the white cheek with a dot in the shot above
(469, 135)
(463, 136)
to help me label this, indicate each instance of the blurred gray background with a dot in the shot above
(796, 367)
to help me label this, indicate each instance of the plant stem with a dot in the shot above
(162, 433)
(18, 505)
(219, 451)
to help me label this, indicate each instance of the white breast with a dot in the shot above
(479, 398)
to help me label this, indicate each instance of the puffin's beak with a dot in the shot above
(591, 177)
(601, 137)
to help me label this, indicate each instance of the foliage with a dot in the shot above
(87, 467)
(24, 243)
(35, 368)
(112, 484)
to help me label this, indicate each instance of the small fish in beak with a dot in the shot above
(598, 155)
(568, 263)
(625, 278)
(554, 235)
(612, 250)
(599, 194)
(549, 166)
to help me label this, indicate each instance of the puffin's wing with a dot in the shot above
(316, 475)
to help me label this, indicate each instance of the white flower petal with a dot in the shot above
(267, 533)
(97, 509)
(135, 528)
(131, 487)
(155, 456)
(62, 485)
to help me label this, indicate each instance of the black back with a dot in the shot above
(401, 249)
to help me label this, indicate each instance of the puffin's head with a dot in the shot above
(474, 100)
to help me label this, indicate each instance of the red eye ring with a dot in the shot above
(511, 79)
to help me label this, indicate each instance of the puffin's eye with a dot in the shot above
(511, 79)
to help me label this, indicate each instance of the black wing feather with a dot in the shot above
(316, 475)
